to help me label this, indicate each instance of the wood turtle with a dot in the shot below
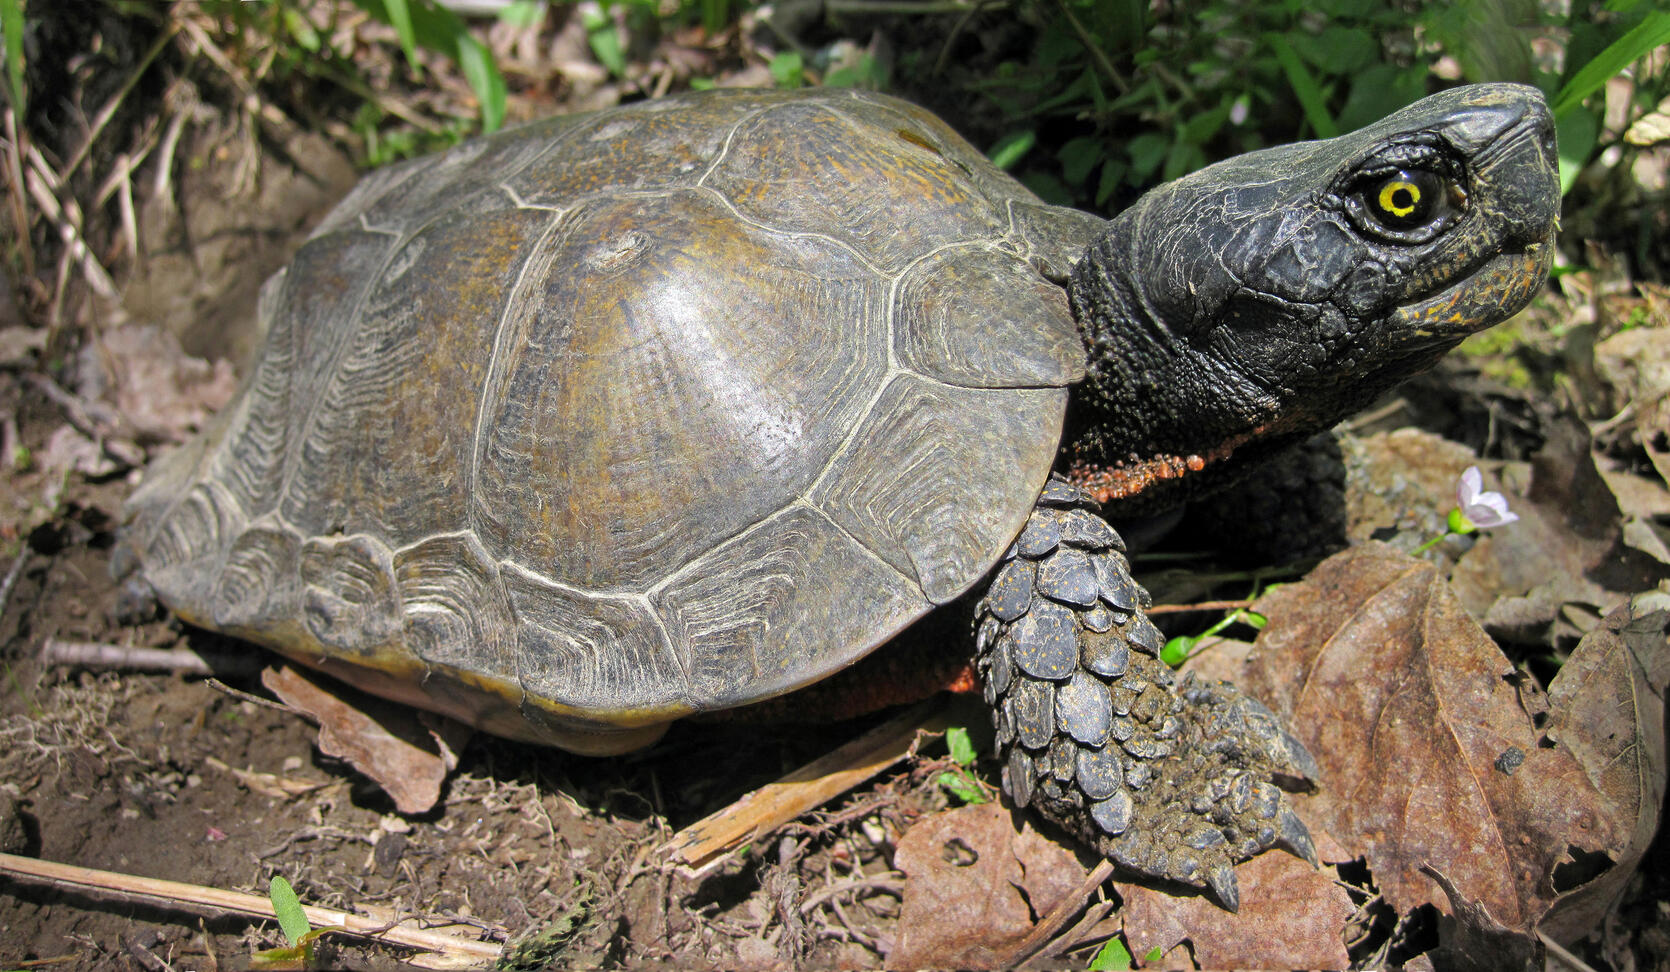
(587, 425)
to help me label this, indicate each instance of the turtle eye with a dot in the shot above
(1410, 199)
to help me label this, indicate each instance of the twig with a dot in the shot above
(1201, 606)
(1056, 920)
(1097, 56)
(41, 182)
(12, 575)
(92, 654)
(704, 843)
(95, 420)
(889, 883)
(109, 110)
(20, 204)
(443, 950)
(1560, 952)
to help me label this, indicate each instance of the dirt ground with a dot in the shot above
(208, 782)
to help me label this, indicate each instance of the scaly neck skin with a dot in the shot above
(1156, 421)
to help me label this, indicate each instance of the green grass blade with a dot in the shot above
(1304, 86)
(400, 18)
(1011, 148)
(11, 24)
(485, 80)
(291, 919)
(1652, 32)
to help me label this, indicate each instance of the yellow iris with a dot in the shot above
(1399, 197)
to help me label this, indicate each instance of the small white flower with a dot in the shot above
(1481, 509)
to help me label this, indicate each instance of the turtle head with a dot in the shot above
(1268, 296)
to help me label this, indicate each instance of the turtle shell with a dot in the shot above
(577, 428)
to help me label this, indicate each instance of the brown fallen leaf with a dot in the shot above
(408, 758)
(1608, 707)
(975, 886)
(1291, 917)
(163, 393)
(1425, 736)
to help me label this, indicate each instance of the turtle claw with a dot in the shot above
(1295, 837)
(1169, 778)
(1221, 881)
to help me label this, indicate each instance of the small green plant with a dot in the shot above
(959, 782)
(11, 26)
(292, 921)
(1113, 956)
(427, 24)
(1178, 649)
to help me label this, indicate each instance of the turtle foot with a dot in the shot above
(1166, 776)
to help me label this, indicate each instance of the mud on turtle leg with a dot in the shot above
(1166, 776)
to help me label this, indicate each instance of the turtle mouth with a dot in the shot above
(1497, 290)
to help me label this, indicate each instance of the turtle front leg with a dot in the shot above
(1167, 777)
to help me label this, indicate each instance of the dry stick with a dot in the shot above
(1056, 920)
(20, 204)
(447, 951)
(41, 182)
(705, 842)
(94, 654)
(1200, 606)
(95, 420)
(109, 110)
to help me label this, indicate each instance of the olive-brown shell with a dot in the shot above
(589, 424)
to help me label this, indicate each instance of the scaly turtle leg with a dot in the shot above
(1166, 776)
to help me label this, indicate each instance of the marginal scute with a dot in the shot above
(348, 599)
(932, 482)
(454, 606)
(258, 584)
(754, 618)
(579, 649)
(979, 316)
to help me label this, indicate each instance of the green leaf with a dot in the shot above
(603, 38)
(1337, 50)
(1147, 151)
(1079, 157)
(788, 69)
(1011, 148)
(960, 785)
(1177, 650)
(288, 908)
(1577, 132)
(11, 24)
(1651, 32)
(960, 745)
(1112, 957)
(400, 18)
(865, 71)
(485, 80)
(523, 13)
(1304, 86)
(301, 30)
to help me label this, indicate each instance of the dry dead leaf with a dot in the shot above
(1425, 738)
(67, 450)
(975, 886)
(1291, 916)
(1607, 705)
(163, 393)
(386, 742)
